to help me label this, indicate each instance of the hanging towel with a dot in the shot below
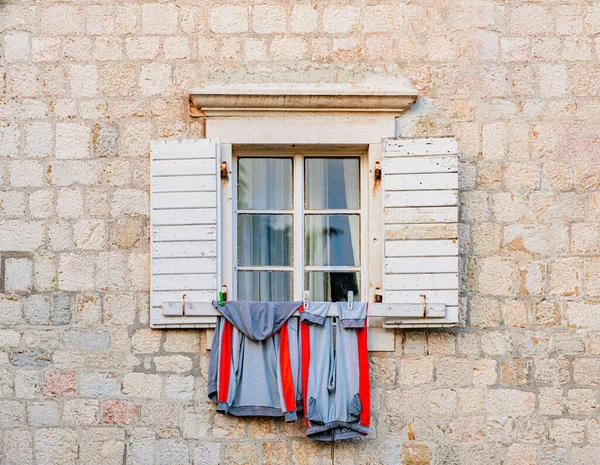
(335, 372)
(255, 360)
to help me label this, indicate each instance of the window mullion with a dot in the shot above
(298, 221)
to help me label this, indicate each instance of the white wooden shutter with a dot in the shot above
(184, 197)
(420, 182)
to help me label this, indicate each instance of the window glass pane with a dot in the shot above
(332, 240)
(265, 240)
(332, 183)
(264, 183)
(325, 286)
(275, 286)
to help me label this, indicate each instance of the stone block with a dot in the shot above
(583, 315)
(80, 412)
(414, 371)
(142, 385)
(16, 47)
(339, 19)
(130, 202)
(55, 446)
(173, 363)
(228, 18)
(60, 383)
(496, 276)
(155, 78)
(146, 341)
(304, 18)
(567, 431)
(96, 384)
(119, 309)
(105, 446)
(10, 310)
(159, 414)
(69, 203)
(41, 204)
(12, 414)
(159, 18)
(86, 340)
(76, 272)
(9, 338)
(18, 447)
(180, 388)
(268, 19)
(27, 384)
(172, 452)
(117, 412)
(72, 141)
(43, 414)
(26, 173)
(511, 402)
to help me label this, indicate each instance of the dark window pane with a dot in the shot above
(325, 286)
(264, 183)
(265, 240)
(332, 240)
(275, 286)
(332, 183)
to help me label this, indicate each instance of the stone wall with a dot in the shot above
(85, 86)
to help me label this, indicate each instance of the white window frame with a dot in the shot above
(298, 155)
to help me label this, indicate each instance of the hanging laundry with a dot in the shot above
(254, 362)
(335, 372)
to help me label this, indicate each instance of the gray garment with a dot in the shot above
(255, 387)
(354, 318)
(333, 404)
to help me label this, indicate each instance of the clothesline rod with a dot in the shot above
(379, 310)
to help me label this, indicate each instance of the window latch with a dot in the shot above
(224, 172)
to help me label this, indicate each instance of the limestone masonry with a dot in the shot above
(85, 86)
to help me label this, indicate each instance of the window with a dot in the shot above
(299, 220)
(377, 219)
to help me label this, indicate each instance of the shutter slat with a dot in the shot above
(185, 216)
(421, 221)
(421, 165)
(421, 215)
(413, 297)
(184, 265)
(422, 281)
(184, 249)
(441, 198)
(184, 193)
(421, 231)
(184, 233)
(184, 183)
(184, 282)
(183, 167)
(421, 265)
(421, 248)
(173, 200)
(428, 181)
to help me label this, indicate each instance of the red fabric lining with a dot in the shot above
(225, 362)
(305, 333)
(287, 381)
(364, 389)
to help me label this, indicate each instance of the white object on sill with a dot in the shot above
(382, 310)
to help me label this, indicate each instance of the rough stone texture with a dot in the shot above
(86, 85)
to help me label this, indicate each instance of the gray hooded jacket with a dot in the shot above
(254, 362)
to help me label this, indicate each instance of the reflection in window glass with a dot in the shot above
(332, 240)
(264, 183)
(265, 240)
(332, 286)
(275, 286)
(331, 183)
